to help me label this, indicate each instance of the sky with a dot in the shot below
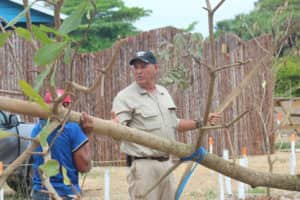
(181, 13)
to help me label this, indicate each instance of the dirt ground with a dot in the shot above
(203, 184)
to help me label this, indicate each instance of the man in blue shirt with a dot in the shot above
(71, 148)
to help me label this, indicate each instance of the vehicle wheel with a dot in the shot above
(20, 182)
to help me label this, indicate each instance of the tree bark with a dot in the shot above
(119, 132)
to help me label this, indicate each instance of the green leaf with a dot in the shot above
(23, 33)
(40, 35)
(74, 20)
(52, 78)
(68, 54)
(50, 168)
(6, 134)
(33, 95)
(65, 175)
(48, 29)
(48, 53)
(3, 38)
(40, 79)
(44, 134)
(19, 16)
(191, 27)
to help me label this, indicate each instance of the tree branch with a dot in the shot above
(119, 132)
(237, 64)
(218, 5)
(103, 71)
(28, 17)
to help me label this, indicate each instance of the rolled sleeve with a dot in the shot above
(122, 110)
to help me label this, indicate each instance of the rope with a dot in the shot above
(197, 156)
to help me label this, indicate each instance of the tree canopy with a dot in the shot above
(281, 18)
(110, 20)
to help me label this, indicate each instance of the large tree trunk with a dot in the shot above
(118, 132)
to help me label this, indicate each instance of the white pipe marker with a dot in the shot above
(221, 185)
(106, 185)
(227, 179)
(293, 155)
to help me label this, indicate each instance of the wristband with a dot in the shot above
(198, 123)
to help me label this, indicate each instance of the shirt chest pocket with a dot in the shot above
(147, 119)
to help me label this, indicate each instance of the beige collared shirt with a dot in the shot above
(154, 113)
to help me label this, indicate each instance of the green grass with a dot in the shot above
(210, 195)
(14, 196)
(285, 146)
(258, 190)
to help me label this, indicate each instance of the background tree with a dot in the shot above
(279, 18)
(111, 20)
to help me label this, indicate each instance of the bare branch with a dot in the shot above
(57, 9)
(230, 145)
(119, 132)
(28, 17)
(227, 125)
(243, 84)
(236, 119)
(218, 5)
(208, 5)
(205, 9)
(237, 64)
(167, 173)
(104, 70)
(256, 41)
(199, 62)
(210, 87)
(50, 190)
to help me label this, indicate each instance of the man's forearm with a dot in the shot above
(187, 124)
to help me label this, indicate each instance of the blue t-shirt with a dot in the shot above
(69, 141)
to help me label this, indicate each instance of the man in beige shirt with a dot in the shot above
(147, 106)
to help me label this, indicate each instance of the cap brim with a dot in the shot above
(138, 58)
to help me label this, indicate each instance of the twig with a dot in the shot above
(99, 78)
(239, 88)
(150, 189)
(237, 64)
(230, 145)
(199, 62)
(227, 125)
(218, 5)
(83, 181)
(50, 190)
(256, 41)
(210, 88)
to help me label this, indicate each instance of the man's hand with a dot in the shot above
(86, 123)
(213, 118)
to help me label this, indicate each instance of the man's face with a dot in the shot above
(144, 74)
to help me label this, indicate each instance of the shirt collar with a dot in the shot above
(142, 91)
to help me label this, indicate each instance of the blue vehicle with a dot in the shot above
(12, 147)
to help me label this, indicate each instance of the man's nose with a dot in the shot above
(138, 69)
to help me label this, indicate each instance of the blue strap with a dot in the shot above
(197, 156)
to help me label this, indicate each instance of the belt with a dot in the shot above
(161, 158)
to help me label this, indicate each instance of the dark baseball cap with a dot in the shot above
(144, 56)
